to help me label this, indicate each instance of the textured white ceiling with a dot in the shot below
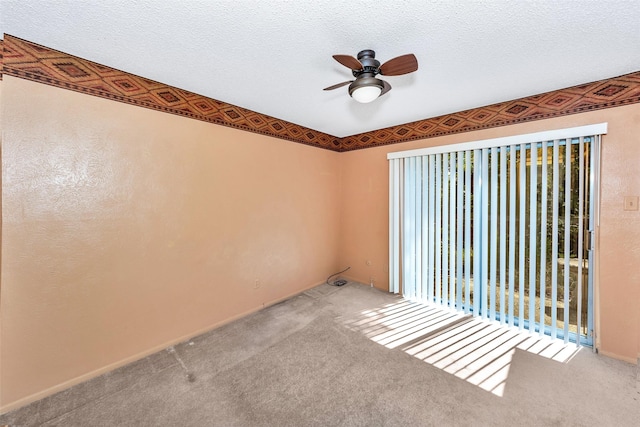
(274, 56)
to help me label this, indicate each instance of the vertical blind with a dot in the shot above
(498, 228)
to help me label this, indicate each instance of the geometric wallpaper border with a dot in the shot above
(23, 59)
(41, 64)
(598, 95)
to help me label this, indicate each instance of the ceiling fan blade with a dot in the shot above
(386, 88)
(338, 85)
(404, 64)
(348, 61)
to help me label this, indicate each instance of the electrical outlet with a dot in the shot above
(631, 203)
(257, 284)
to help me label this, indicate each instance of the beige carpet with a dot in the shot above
(354, 356)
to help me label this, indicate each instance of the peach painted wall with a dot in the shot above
(1, 111)
(365, 200)
(126, 230)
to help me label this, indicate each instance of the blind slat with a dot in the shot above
(493, 229)
(460, 247)
(580, 231)
(424, 291)
(567, 239)
(512, 232)
(522, 229)
(533, 233)
(477, 232)
(432, 226)
(438, 231)
(554, 238)
(503, 232)
(452, 230)
(543, 236)
(467, 232)
(445, 228)
(417, 238)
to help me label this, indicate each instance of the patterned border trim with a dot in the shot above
(1, 56)
(31, 61)
(37, 63)
(598, 95)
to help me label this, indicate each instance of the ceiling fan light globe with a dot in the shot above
(366, 89)
(365, 94)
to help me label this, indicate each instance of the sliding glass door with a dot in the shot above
(501, 231)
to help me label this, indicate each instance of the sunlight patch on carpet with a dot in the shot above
(476, 350)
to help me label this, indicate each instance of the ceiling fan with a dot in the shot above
(366, 87)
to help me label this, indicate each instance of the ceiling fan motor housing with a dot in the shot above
(370, 65)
